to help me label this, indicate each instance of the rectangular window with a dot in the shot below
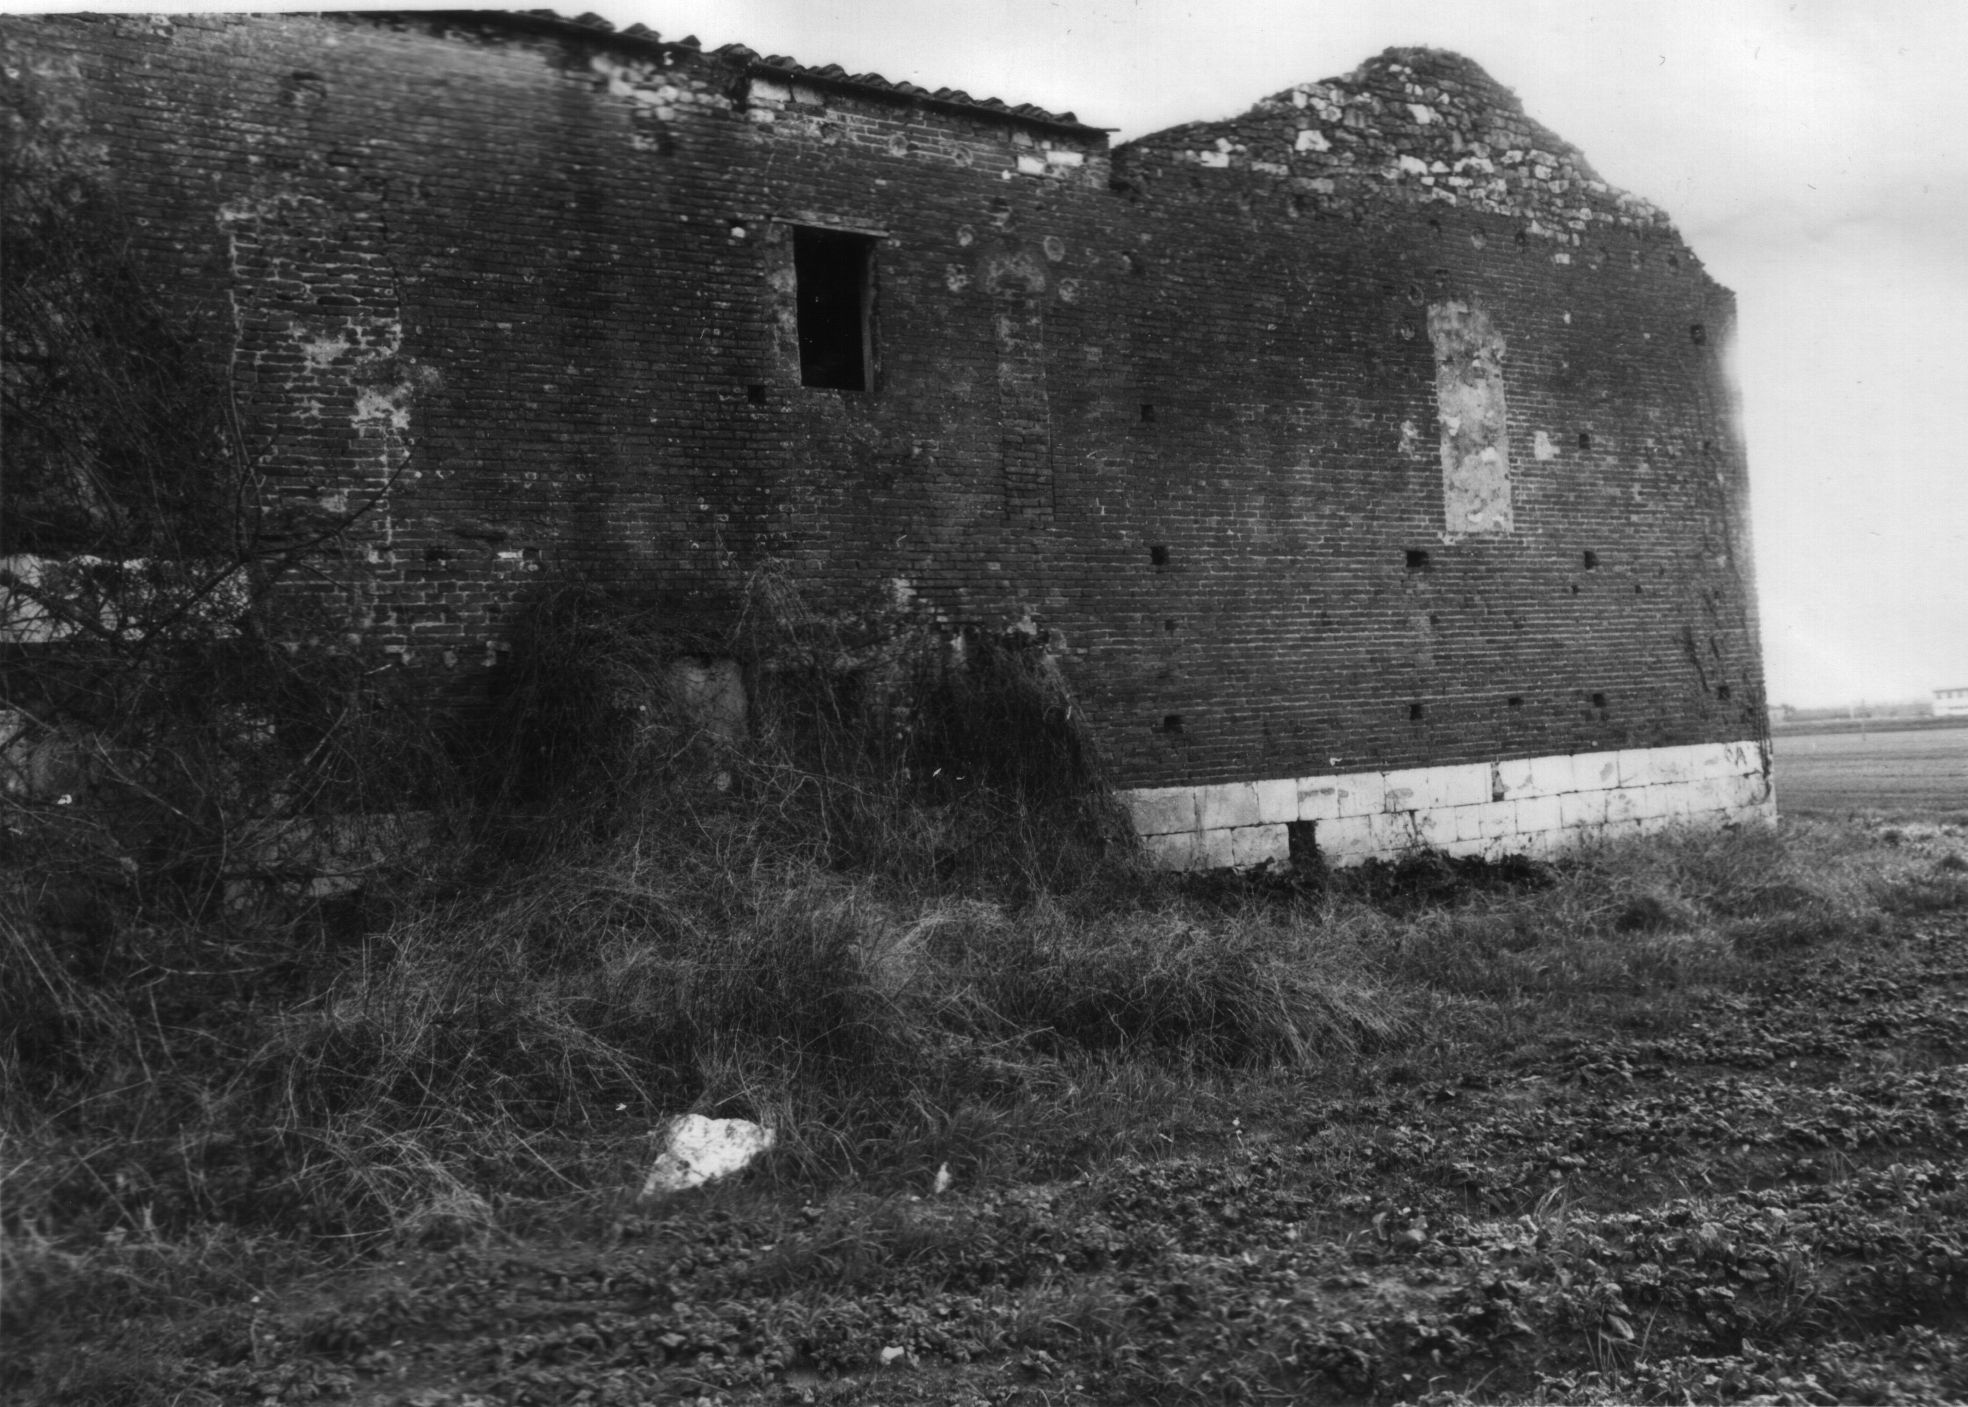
(835, 274)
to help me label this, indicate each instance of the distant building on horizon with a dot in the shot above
(1951, 703)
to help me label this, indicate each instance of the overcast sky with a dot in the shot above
(1811, 151)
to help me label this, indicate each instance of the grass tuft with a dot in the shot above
(902, 958)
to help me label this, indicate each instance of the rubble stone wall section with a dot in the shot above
(1536, 806)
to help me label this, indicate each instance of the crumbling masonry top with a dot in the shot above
(1416, 125)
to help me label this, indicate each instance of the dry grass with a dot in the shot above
(895, 977)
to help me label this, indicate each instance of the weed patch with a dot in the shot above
(1042, 1114)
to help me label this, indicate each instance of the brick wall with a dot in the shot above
(532, 289)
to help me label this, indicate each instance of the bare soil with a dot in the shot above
(1758, 1195)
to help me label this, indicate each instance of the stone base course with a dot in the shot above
(1535, 806)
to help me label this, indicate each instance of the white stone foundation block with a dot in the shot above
(1259, 845)
(1227, 804)
(1425, 830)
(1489, 821)
(1432, 788)
(1277, 801)
(1319, 798)
(1180, 851)
(1623, 805)
(1214, 851)
(1530, 777)
(1595, 771)
(1361, 793)
(1346, 839)
(1737, 759)
(1582, 810)
(1162, 810)
(1538, 806)
(1673, 798)
(1537, 814)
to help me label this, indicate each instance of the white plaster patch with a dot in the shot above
(1311, 139)
(321, 351)
(1542, 447)
(390, 407)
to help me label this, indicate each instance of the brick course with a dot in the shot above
(1176, 404)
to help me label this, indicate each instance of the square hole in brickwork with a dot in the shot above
(1414, 713)
(1514, 701)
(1158, 554)
(1168, 627)
(1598, 700)
(755, 394)
(1147, 413)
(834, 272)
(1171, 723)
(1697, 334)
(1591, 559)
(1585, 439)
(1417, 559)
(1722, 692)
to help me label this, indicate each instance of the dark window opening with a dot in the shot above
(1598, 700)
(1585, 439)
(1147, 414)
(1414, 713)
(1515, 701)
(755, 394)
(1417, 559)
(1697, 333)
(1168, 627)
(1591, 560)
(835, 273)
(1158, 555)
(1172, 723)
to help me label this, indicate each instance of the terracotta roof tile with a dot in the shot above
(829, 73)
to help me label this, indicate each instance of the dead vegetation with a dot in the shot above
(1183, 1118)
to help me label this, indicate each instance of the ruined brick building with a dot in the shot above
(1371, 466)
